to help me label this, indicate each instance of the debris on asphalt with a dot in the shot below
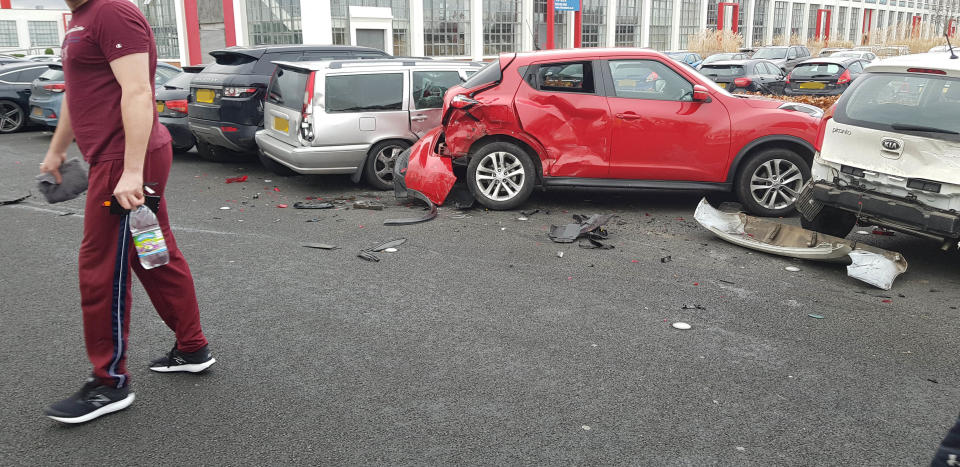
(368, 205)
(431, 214)
(886, 300)
(281, 206)
(813, 315)
(366, 255)
(267, 180)
(875, 266)
(239, 179)
(883, 231)
(523, 218)
(589, 228)
(320, 246)
(225, 208)
(390, 250)
(863, 232)
(14, 200)
(276, 189)
(315, 219)
(693, 307)
(390, 244)
(529, 213)
(666, 259)
(559, 254)
(302, 205)
(389, 247)
(594, 244)
(792, 269)
(682, 326)
(256, 196)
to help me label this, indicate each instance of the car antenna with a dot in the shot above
(947, 35)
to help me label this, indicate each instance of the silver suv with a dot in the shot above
(890, 152)
(352, 117)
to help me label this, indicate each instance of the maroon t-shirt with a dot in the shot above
(102, 31)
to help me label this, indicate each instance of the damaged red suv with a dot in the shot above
(611, 118)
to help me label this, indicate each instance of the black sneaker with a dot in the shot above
(193, 362)
(90, 402)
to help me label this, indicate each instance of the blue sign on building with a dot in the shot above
(566, 5)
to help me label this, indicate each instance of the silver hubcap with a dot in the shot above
(11, 117)
(775, 183)
(384, 162)
(500, 176)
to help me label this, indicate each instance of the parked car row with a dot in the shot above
(828, 76)
(15, 87)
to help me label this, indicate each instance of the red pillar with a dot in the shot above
(5, 4)
(193, 31)
(229, 24)
(549, 24)
(577, 28)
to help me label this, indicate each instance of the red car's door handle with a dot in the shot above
(629, 116)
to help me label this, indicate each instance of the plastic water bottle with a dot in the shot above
(148, 239)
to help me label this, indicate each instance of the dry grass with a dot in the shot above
(709, 42)
(824, 102)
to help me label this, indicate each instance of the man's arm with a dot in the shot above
(136, 107)
(62, 137)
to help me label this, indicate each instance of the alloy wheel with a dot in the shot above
(500, 176)
(384, 162)
(776, 183)
(11, 117)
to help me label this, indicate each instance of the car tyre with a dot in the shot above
(12, 117)
(274, 166)
(213, 153)
(831, 221)
(381, 160)
(501, 175)
(769, 181)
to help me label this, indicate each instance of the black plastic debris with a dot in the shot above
(529, 213)
(303, 205)
(5, 202)
(368, 255)
(431, 214)
(368, 205)
(666, 259)
(319, 246)
(589, 228)
(693, 307)
(312, 220)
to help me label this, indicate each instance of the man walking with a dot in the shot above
(109, 60)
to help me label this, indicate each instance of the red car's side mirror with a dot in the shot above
(700, 93)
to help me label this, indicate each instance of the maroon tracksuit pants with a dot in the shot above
(106, 257)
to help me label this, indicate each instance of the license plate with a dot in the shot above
(205, 96)
(812, 85)
(159, 107)
(37, 111)
(281, 124)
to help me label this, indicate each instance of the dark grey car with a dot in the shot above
(824, 76)
(785, 56)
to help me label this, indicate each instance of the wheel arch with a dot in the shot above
(409, 139)
(525, 145)
(796, 144)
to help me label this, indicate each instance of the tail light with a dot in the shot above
(821, 134)
(926, 70)
(60, 87)
(306, 123)
(742, 82)
(788, 77)
(178, 106)
(461, 101)
(844, 77)
(239, 92)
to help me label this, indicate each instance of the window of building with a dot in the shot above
(446, 27)
(8, 34)
(779, 21)
(812, 20)
(163, 20)
(540, 25)
(854, 24)
(274, 22)
(629, 14)
(760, 22)
(400, 9)
(796, 21)
(501, 26)
(712, 14)
(43, 33)
(839, 31)
(364, 93)
(689, 20)
(661, 15)
(594, 23)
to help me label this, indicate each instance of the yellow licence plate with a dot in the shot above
(812, 85)
(160, 107)
(37, 111)
(205, 96)
(281, 124)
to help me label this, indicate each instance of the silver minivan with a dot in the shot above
(352, 117)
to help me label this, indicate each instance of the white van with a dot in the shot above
(352, 117)
(889, 152)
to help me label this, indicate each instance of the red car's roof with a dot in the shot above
(575, 54)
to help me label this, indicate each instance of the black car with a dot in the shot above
(226, 98)
(16, 80)
(760, 76)
(785, 56)
(826, 76)
(172, 105)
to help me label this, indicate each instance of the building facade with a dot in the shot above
(475, 29)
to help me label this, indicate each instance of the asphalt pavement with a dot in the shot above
(475, 343)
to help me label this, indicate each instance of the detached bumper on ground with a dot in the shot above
(420, 172)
